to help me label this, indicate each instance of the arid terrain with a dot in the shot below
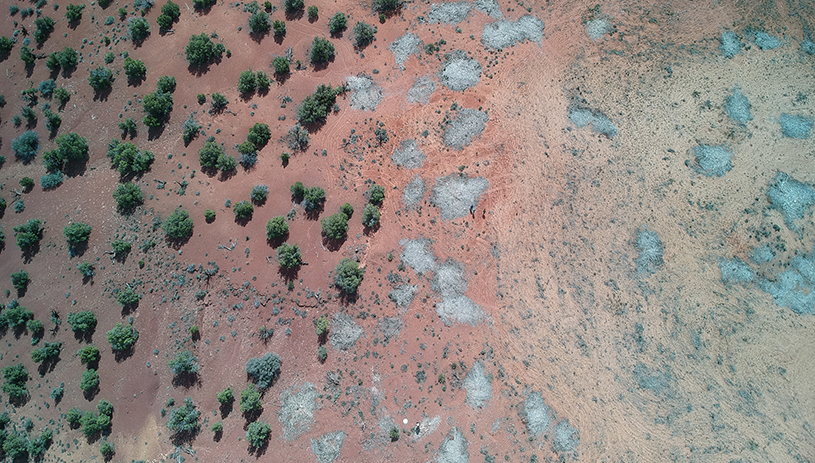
(596, 241)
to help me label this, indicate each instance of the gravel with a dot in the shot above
(468, 124)
(365, 94)
(408, 155)
(455, 193)
(502, 34)
(344, 331)
(421, 91)
(405, 46)
(414, 192)
(460, 72)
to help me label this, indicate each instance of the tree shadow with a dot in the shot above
(288, 274)
(127, 309)
(294, 15)
(153, 133)
(47, 366)
(278, 38)
(243, 221)
(322, 65)
(252, 416)
(90, 394)
(19, 401)
(78, 249)
(85, 335)
(102, 94)
(187, 380)
(281, 77)
(259, 451)
(227, 408)
(73, 24)
(209, 171)
(135, 81)
(138, 43)
(68, 72)
(226, 175)
(200, 69)
(275, 243)
(184, 437)
(332, 244)
(21, 291)
(257, 37)
(368, 231)
(314, 214)
(76, 169)
(30, 252)
(122, 355)
(218, 435)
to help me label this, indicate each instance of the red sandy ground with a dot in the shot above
(526, 97)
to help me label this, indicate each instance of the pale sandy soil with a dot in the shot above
(669, 366)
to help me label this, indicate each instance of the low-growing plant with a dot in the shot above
(86, 269)
(120, 248)
(189, 130)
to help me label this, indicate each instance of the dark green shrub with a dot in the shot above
(376, 194)
(120, 248)
(184, 363)
(128, 159)
(314, 198)
(293, 6)
(27, 183)
(49, 352)
(226, 396)
(348, 276)
(76, 234)
(218, 427)
(165, 84)
(47, 87)
(25, 146)
(262, 82)
(164, 22)
(90, 380)
(289, 257)
(281, 65)
(29, 234)
(347, 209)
(315, 107)
(184, 420)
(107, 450)
(250, 401)
(247, 82)
(45, 26)
(86, 269)
(202, 98)
(89, 355)
(89, 421)
(127, 297)
(218, 101)
(15, 377)
(259, 193)
(259, 23)
(58, 392)
(6, 44)
(82, 323)
(128, 196)
(257, 434)
(101, 78)
(202, 4)
(128, 126)
(364, 34)
(227, 163)
(20, 280)
(73, 12)
(259, 134)
(201, 49)
(312, 13)
(52, 120)
(74, 417)
(298, 191)
(267, 5)
(263, 370)
(243, 210)
(322, 353)
(337, 23)
(37, 329)
(172, 10)
(322, 325)
(27, 55)
(16, 448)
(15, 316)
(209, 154)
(386, 6)
(68, 58)
(322, 50)
(134, 68)
(335, 226)
(209, 215)
(178, 225)
(122, 338)
(139, 29)
(190, 129)
(157, 105)
(276, 228)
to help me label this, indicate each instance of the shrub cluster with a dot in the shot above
(315, 107)
(178, 225)
(128, 159)
(201, 49)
